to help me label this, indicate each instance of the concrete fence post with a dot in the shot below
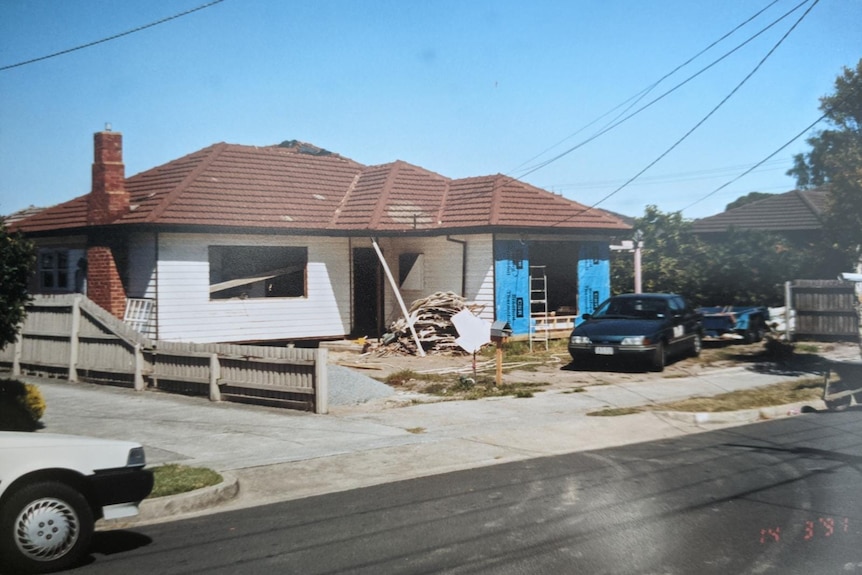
(215, 376)
(321, 381)
(74, 342)
(19, 349)
(139, 368)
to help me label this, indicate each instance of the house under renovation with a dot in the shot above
(291, 242)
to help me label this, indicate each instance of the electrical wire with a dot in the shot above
(708, 174)
(699, 123)
(715, 109)
(633, 100)
(760, 163)
(661, 97)
(109, 38)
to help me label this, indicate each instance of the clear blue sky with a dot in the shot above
(463, 88)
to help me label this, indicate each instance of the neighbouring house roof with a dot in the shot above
(795, 211)
(21, 214)
(288, 187)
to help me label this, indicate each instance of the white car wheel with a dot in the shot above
(45, 526)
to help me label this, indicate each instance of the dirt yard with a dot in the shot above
(553, 369)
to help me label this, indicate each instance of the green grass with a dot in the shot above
(172, 479)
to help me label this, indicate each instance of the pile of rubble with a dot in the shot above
(432, 319)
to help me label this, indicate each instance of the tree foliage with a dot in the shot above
(835, 162)
(17, 258)
(746, 267)
(746, 199)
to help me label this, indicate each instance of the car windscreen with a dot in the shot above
(634, 308)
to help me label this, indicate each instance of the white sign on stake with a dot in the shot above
(474, 331)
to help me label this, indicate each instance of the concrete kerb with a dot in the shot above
(743, 415)
(164, 508)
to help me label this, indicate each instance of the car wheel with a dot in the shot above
(45, 526)
(838, 404)
(755, 332)
(659, 357)
(696, 345)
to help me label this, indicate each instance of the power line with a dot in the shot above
(109, 38)
(760, 163)
(715, 109)
(643, 93)
(706, 174)
(661, 97)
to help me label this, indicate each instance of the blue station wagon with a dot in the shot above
(648, 327)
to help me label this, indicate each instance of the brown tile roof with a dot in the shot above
(21, 214)
(393, 197)
(302, 188)
(798, 210)
(500, 201)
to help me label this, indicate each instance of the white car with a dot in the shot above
(54, 487)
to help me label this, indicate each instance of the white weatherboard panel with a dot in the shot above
(186, 312)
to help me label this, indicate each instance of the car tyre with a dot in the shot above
(45, 526)
(696, 345)
(659, 357)
(755, 332)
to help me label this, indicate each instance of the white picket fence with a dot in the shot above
(70, 337)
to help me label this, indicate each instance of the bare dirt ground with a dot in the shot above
(553, 369)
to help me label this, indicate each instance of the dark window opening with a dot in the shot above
(251, 272)
(54, 270)
(411, 271)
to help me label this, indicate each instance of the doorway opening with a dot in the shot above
(367, 293)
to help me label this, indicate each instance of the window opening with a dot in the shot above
(54, 269)
(251, 272)
(411, 271)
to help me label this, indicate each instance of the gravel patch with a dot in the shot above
(349, 387)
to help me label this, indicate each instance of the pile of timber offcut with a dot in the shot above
(432, 319)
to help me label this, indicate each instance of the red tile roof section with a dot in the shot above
(501, 201)
(273, 187)
(68, 215)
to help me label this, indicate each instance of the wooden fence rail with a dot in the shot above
(71, 337)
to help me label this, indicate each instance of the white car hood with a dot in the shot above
(23, 452)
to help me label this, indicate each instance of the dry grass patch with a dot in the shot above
(808, 389)
(612, 411)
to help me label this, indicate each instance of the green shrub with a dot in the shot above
(21, 406)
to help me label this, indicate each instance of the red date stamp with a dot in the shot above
(820, 528)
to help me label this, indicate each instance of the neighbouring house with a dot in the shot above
(237, 243)
(797, 215)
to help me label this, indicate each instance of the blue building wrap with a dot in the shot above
(512, 281)
(594, 276)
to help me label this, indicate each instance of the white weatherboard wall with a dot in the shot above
(187, 314)
(479, 285)
(443, 271)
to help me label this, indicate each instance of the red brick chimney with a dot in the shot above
(108, 197)
(107, 201)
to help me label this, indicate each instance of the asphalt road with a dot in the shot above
(773, 497)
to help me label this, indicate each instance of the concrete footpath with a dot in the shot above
(269, 455)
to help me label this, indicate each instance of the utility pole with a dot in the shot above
(639, 244)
